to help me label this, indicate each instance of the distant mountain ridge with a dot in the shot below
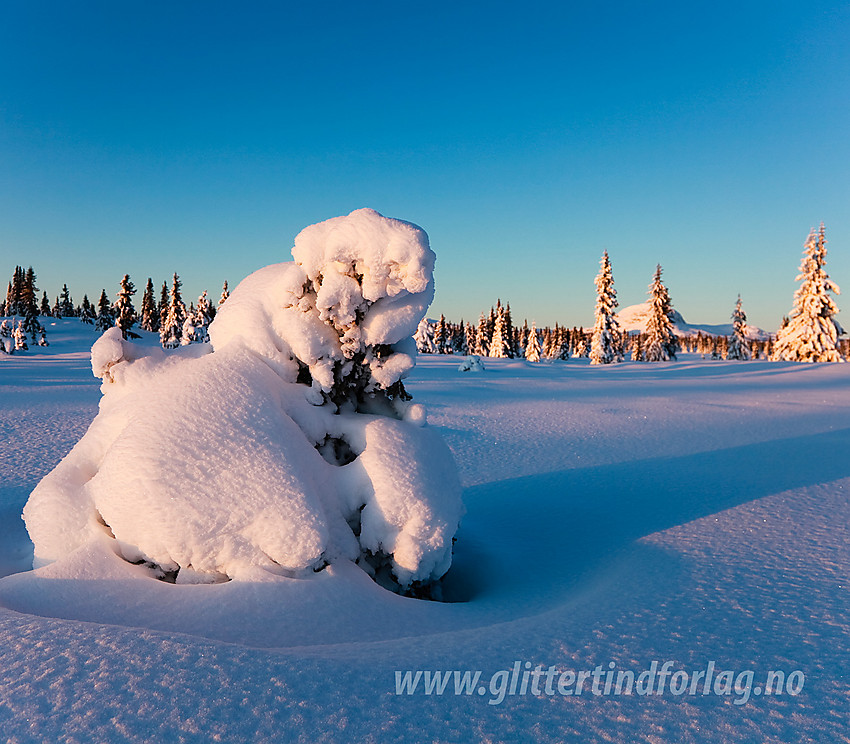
(633, 319)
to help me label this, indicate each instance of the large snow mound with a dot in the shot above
(287, 444)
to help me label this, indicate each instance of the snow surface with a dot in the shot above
(690, 511)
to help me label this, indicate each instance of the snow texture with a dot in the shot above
(603, 527)
(285, 445)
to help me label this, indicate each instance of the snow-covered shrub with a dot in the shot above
(472, 363)
(287, 444)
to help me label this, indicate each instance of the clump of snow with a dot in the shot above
(289, 445)
(472, 363)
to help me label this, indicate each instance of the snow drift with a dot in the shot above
(287, 444)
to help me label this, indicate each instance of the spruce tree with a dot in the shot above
(739, 347)
(424, 338)
(162, 307)
(811, 333)
(499, 348)
(171, 331)
(468, 339)
(87, 312)
(637, 347)
(28, 304)
(661, 343)
(45, 305)
(187, 332)
(105, 316)
(125, 313)
(66, 304)
(224, 294)
(441, 335)
(482, 339)
(202, 318)
(563, 343)
(522, 335)
(605, 346)
(510, 332)
(532, 347)
(9, 304)
(13, 296)
(20, 337)
(149, 317)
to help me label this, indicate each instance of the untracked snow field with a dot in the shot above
(692, 514)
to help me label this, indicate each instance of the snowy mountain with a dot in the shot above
(633, 319)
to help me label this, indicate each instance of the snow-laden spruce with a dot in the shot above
(532, 346)
(661, 343)
(606, 344)
(812, 331)
(424, 338)
(738, 343)
(287, 444)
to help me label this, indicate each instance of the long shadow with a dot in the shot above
(15, 546)
(562, 526)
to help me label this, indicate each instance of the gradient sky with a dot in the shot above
(526, 138)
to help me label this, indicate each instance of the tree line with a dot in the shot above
(168, 315)
(810, 333)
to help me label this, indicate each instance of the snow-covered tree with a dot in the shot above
(661, 343)
(28, 303)
(811, 334)
(105, 316)
(149, 320)
(509, 331)
(739, 347)
(44, 309)
(10, 305)
(13, 293)
(162, 306)
(171, 331)
(424, 338)
(87, 311)
(482, 338)
(66, 304)
(532, 347)
(637, 347)
(500, 343)
(187, 334)
(125, 313)
(606, 344)
(20, 337)
(467, 342)
(201, 319)
(441, 335)
(225, 293)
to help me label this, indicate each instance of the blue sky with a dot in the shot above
(200, 137)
